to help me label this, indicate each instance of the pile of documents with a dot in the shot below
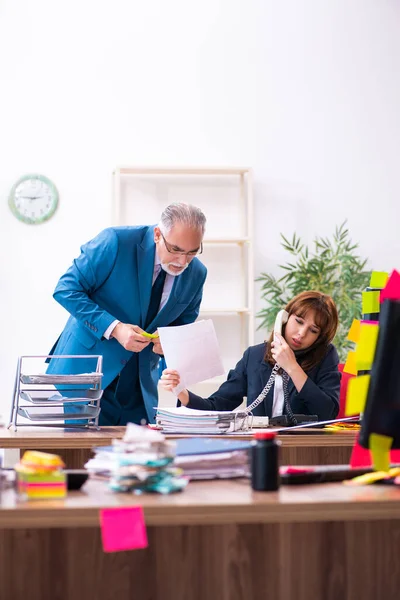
(141, 462)
(207, 459)
(192, 421)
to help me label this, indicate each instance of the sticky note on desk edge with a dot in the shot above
(378, 279)
(379, 446)
(123, 529)
(356, 396)
(354, 331)
(370, 302)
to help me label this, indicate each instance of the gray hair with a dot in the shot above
(188, 214)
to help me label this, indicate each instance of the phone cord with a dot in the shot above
(261, 397)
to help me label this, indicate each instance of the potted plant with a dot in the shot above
(333, 268)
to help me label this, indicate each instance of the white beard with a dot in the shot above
(166, 267)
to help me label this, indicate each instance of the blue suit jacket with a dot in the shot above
(319, 395)
(112, 279)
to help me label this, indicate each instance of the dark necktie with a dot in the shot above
(155, 298)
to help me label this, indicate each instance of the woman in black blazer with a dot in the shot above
(304, 351)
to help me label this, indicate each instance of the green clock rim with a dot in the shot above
(28, 220)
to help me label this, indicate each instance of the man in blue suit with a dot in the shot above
(128, 280)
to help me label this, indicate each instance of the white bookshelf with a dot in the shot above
(226, 197)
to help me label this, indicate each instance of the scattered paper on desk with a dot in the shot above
(370, 302)
(193, 351)
(123, 529)
(357, 391)
(392, 289)
(354, 332)
(366, 346)
(380, 451)
(378, 279)
(351, 365)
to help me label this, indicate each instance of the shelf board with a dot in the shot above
(238, 240)
(223, 311)
(182, 170)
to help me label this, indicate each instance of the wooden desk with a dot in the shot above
(74, 446)
(305, 448)
(216, 540)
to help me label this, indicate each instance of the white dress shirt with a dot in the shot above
(168, 283)
(277, 405)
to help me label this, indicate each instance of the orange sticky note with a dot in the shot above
(356, 396)
(370, 302)
(351, 365)
(366, 346)
(380, 451)
(354, 331)
(378, 279)
(123, 529)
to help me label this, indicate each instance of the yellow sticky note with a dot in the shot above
(379, 446)
(351, 365)
(150, 335)
(370, 302)
(378, 279)
(354, 332)
(356, 396)
(365, 351)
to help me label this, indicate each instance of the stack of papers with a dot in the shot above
(226, 465)
(141, 462)
(195, 458)
(192, 421)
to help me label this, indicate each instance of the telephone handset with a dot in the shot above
(280, 320)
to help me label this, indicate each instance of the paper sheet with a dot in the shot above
(193, 351)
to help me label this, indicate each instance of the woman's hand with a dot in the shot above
(170, 379)
(283, 354)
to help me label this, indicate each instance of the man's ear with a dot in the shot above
(157, 234)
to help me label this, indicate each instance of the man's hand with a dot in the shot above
(130, 337)
(157, 348)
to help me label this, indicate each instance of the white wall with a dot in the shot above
(307, 92)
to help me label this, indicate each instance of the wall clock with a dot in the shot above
(33, 199)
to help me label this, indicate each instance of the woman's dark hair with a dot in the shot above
(326, 318)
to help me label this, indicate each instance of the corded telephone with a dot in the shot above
(290, 418)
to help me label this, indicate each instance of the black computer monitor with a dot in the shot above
(382, 407)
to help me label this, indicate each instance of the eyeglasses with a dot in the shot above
(180, 252)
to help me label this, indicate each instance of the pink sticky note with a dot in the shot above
(123, 529)
(392, 289)
(361, 457)
(369, 322)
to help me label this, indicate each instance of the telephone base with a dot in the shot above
(284, 421)
(260, 422)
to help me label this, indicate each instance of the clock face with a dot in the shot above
(33, 199)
